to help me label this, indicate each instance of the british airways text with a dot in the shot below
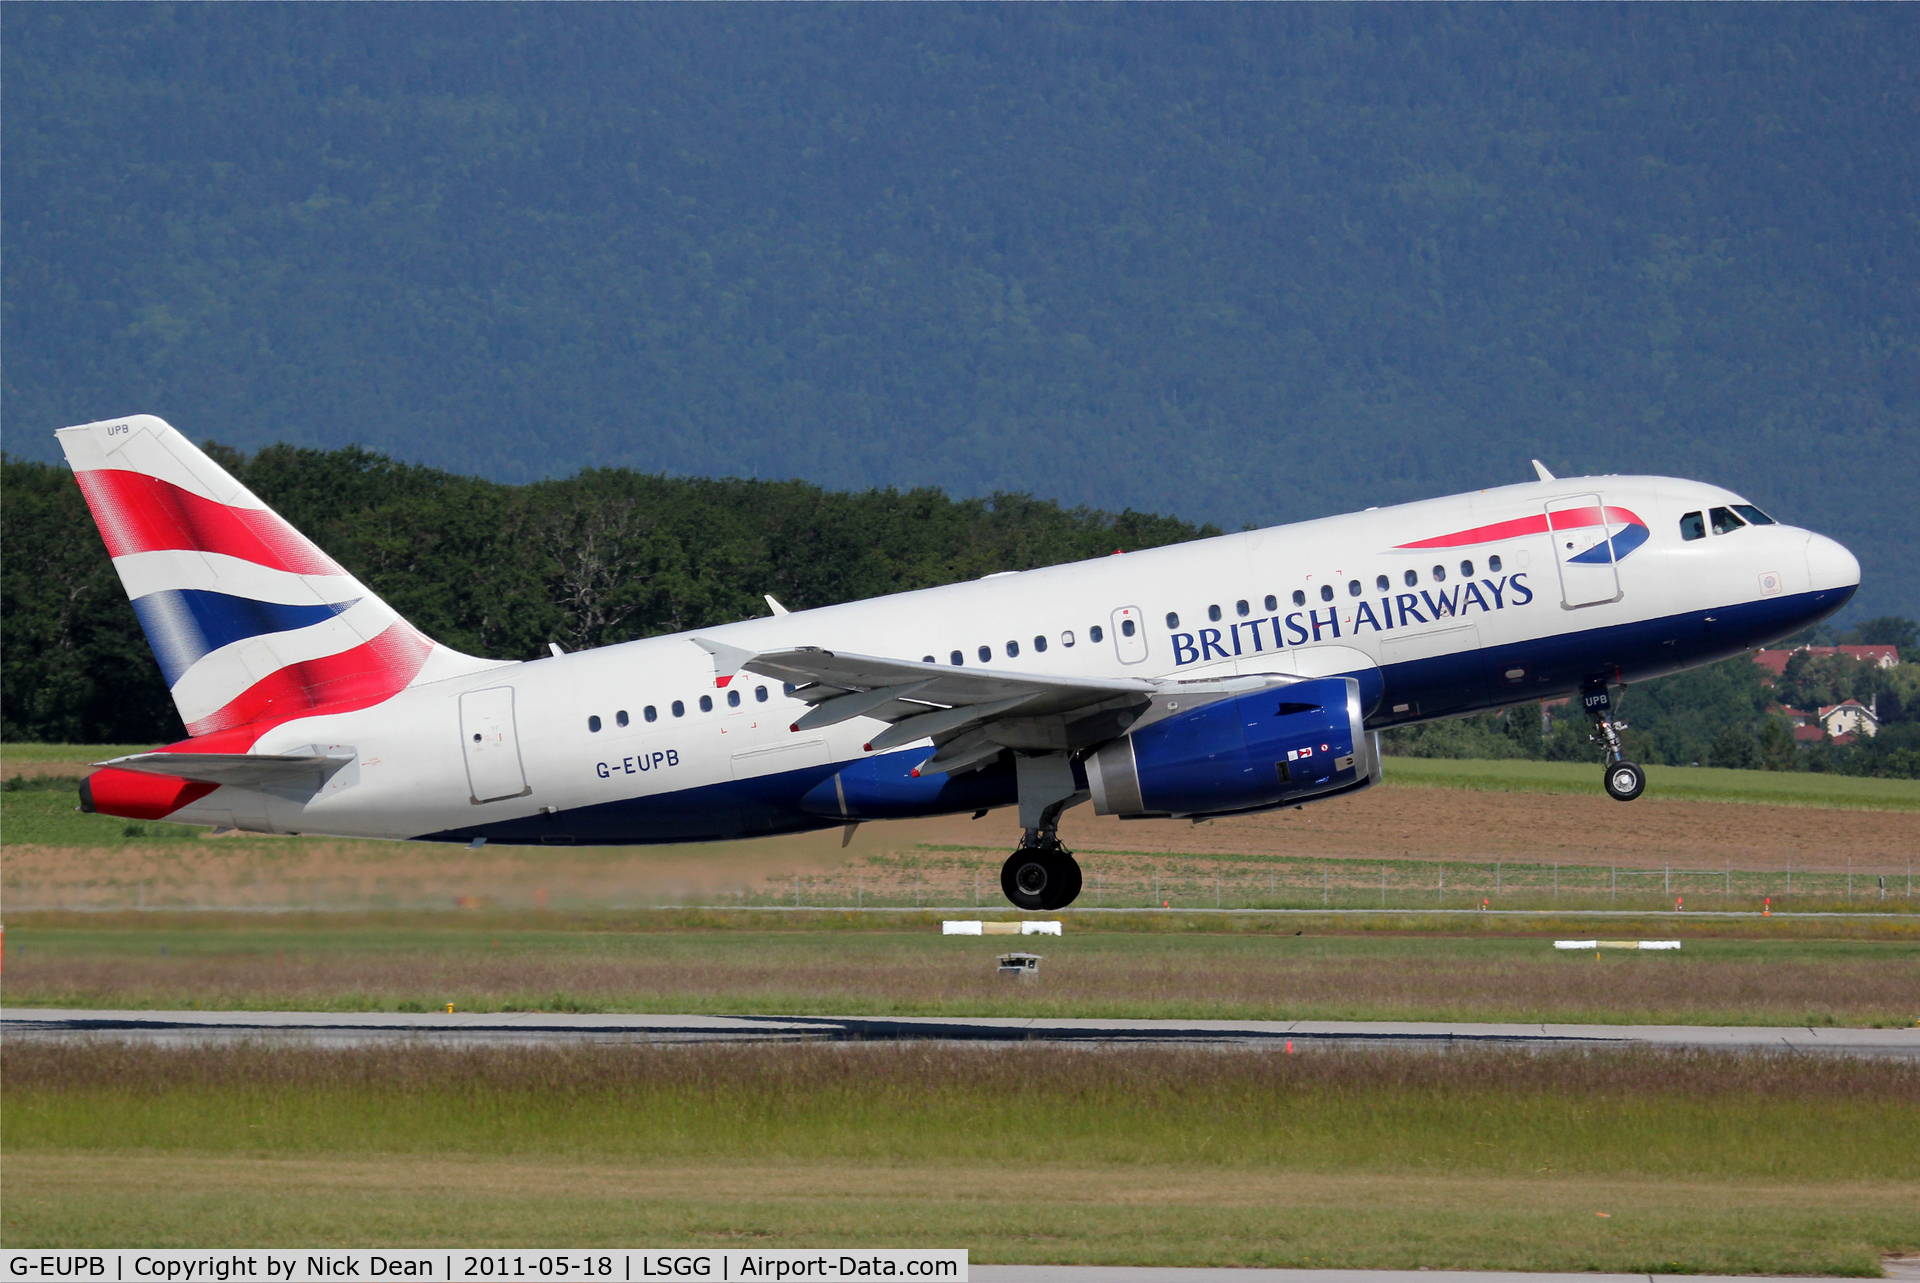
(1396, 610)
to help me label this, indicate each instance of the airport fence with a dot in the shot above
(1119, 881)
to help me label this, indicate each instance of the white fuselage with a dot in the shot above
(1502, 637)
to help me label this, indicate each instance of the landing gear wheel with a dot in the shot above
(1040, 879)
(1625, 781)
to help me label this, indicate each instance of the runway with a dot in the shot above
(1174, 1274)
(1278, 1035)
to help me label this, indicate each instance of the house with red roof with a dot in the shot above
(1775, 661)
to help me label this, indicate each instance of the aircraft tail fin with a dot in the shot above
(251, 623)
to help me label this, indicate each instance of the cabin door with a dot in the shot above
(1583, 550)
(492, 745)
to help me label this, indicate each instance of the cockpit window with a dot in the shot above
(1724, 522)
(1754, 516)
(1693, 526)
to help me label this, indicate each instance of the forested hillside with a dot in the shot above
(498, 570)
(1240, 263)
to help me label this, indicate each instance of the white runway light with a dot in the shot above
(1616, 944)
(953, 927)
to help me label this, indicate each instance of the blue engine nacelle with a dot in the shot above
(1272, 748)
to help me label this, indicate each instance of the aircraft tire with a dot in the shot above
(1624, 781)
(1039, 880)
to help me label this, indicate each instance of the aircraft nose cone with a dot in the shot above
(1830, 565)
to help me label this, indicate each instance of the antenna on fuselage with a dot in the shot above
(1540, 470)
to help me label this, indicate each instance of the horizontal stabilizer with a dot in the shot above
(242, 770)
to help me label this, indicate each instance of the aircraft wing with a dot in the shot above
(971, 714)
(243, 770)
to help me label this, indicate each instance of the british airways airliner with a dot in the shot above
(1219, 677)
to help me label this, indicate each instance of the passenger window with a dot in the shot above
(1382, 584)
(706, 703)
(1326, 592)
(1412, 578)
(733, 699)
(1493, 564)
(593, 724)
(760, 692)
(1126, 628)
(1466, 570)
(986, 654)
(1299, 597)
(1754, 516)
(1241, 609)
(620, 718)
(1724, 522)
(956, 659)
(926, 659)
(787, 689)
(1096, 633)
(1013, 650)
(651, 713)
(1213, 613)
(1040, 644)
(1273, 602)
(1439, 574)
(1066, 638)
(679, 709)
(1173, 620)
(1353, 588)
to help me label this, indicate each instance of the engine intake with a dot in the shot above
(1247, 753)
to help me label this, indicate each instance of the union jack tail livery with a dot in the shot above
(251, 623)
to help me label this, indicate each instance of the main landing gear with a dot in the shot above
(1624, 780)
(1042, 875)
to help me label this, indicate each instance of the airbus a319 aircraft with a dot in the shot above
(1218, 677)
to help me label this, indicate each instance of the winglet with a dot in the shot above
(727, 660)
(1540, 469)
(778, 609)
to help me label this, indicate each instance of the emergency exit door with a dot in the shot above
(492, 745)
(1130, 634)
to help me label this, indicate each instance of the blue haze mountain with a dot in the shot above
(1242, 264)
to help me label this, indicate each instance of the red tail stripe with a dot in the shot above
(1567, 519)
(357, 678)
(139, 513)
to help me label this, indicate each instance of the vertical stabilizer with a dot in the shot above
(251, 623)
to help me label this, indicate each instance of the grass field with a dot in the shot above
(844, 965)
(1632, 1162)
(1699, 1163)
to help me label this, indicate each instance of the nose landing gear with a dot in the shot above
(1042, 875)
(1624, 780)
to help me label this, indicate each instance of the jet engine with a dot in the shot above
(1274, 747)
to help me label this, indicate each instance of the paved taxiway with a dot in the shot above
(1163, 1274)
(1175, 1274)
(1302, 1035)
